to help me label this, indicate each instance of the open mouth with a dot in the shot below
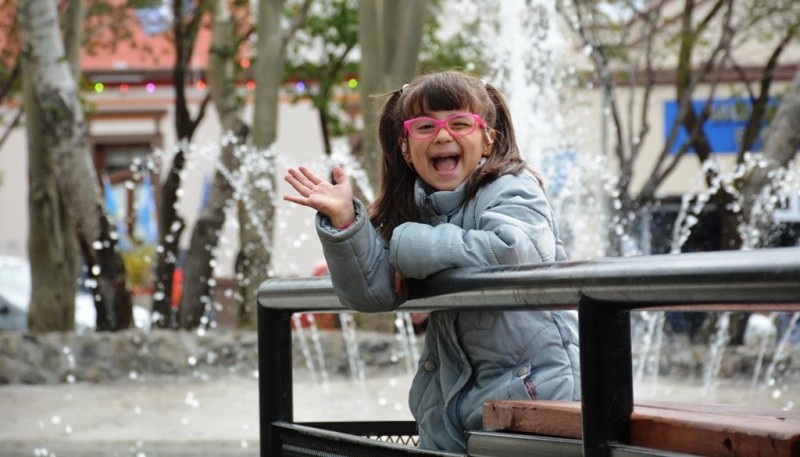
(446, 164)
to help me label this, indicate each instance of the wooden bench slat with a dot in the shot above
(702, 429)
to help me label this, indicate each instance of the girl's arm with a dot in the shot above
(356, 255)
(358, 261)
(513, 224)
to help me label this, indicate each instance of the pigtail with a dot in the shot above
(394, 203)
(505, 157)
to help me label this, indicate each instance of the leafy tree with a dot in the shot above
(331, 34)
(630, 44)
(330, 37)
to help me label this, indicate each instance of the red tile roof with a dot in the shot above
(142, 52)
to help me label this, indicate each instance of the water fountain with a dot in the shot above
(544, 139)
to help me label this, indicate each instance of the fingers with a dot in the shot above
(301, 188)
(301, 178)
(339, 176)
(316, 192)
(310, 176)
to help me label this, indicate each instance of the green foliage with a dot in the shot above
(461, 50)
(320, 58)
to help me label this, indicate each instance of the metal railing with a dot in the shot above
(604, 292)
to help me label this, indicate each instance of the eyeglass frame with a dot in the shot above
(439, 123)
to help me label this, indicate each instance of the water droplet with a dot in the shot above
(137, 410)
(192, 361)
(55, 420)
(244, 444)
(776, 393)
(185, 420)
(71, 378)
(96, 270)
(68, 430)
(133, 375)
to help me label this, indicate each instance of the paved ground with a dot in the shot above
(219, 417)
(147, 418)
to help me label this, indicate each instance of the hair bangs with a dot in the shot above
(440, 94)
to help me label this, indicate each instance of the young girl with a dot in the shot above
(455, 192)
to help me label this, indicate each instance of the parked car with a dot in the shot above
(15, 293)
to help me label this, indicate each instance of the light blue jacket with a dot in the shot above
(473, 356)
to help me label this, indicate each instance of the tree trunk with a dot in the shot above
(390, 34)
(781, 142)
(51, 239)
(198, 269)
(257, 208)
(73, 36)
(170, 229)
(65, 139)
(171, 224)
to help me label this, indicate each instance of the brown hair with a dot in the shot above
(443, 91)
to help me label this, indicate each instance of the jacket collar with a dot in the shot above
(443, 202)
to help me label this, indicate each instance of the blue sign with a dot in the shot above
(725, 125)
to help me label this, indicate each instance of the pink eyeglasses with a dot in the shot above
(458, 124)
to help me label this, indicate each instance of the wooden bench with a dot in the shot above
(700, 429)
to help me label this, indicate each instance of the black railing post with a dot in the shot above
(274, 375)
(606, 375)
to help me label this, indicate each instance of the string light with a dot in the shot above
(352, 83)
(250, 85)
(150, 87)
(123, 88)
(98, 87)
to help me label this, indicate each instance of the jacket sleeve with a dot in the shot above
(358, 261)
(513, 225)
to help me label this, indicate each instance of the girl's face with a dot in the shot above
(444, 154)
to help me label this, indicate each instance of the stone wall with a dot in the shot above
(101, 357)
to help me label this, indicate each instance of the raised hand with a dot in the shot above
(332, 200)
